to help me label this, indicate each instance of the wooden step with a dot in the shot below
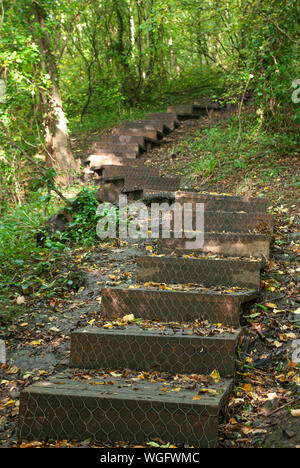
(227, 244)
(206, 272)
(116, 171)
(123, 153)
(164, 116)
(110, 409)
(145, 142)
(186, 111)
(110, 193)
(207, 104)
(221, 221)
(153, 136)
(118, 162)
(168, 125)
(163, 126)
(138, 182)
(123, 140)
(156, 131)
(96, 161)
(118, 148)
(175, 305)
(214, 202)
(164, 348)
(150, 182)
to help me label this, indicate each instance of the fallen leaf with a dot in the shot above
(20, 300)
(128, 318)
(215, 375)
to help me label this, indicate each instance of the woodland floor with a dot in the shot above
(268, 381)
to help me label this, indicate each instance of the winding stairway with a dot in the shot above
(181, 374)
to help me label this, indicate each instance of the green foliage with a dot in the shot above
(219, 153)
(29, 267)
(18, 247)
(82, 227)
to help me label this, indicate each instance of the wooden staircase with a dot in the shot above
(170, 373)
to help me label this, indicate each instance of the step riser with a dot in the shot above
(173, 306)
(93, 349)
(188, 270)
(118, 154)
(154, 183)
(110, 193)
(96, 161)
(123, 140)
(128, 183)
(227, 245)
(233, 222)
(182, 117)
(160, 124)
(61, 413)
(165, 116)
(114, 142)
(151, 136)
(219, 203)
(155, 133)
(206, 104)
(185, 112)
(115, 171)
(163, 127)
(131, 148)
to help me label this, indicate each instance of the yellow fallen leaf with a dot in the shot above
(108, 325)
(128, 318)
(10, 403)
(215, 375)
(270, 305)
(246, 387)
(246, 430)
(32, 444)
(296, 379)
(91, 321)
(295, 413)
(35, 343)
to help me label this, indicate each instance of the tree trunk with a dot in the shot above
(59, 154)
(58, 150)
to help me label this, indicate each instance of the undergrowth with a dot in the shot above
(34, 268)
(218, 153)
